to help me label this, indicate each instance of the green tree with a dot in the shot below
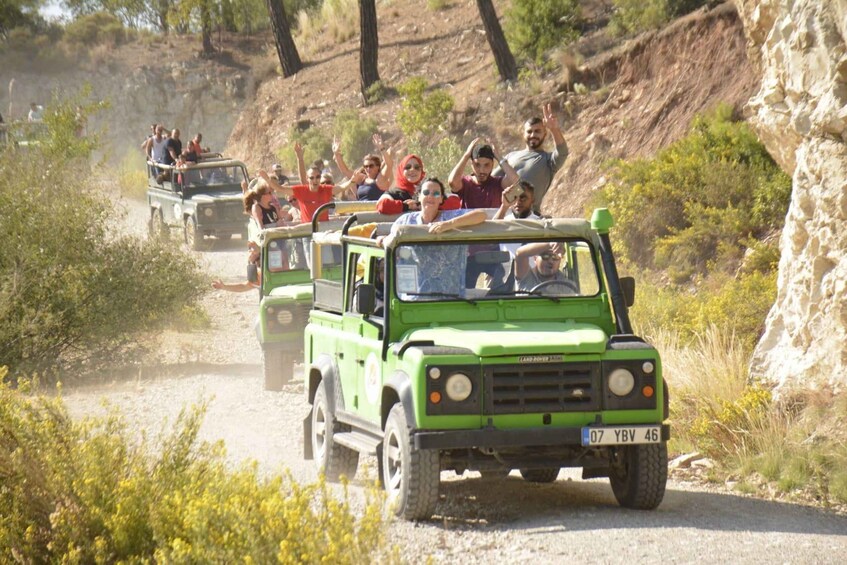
(73, 290)
(422, 114)
(536, 26)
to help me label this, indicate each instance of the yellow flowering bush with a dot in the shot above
(90, 492)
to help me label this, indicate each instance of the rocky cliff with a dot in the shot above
(191, 94)
(800, 113)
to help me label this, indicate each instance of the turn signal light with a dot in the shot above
(647, 391)
(435, 397)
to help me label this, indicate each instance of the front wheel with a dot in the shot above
(278, 369)
(333, 460)
(410, 475)
(638, 474)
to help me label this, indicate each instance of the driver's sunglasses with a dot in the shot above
(551, 257)
(411, 166)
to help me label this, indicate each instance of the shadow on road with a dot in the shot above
(574, 505)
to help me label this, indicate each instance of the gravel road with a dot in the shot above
(478, 521)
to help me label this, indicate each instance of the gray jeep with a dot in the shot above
(201, 200)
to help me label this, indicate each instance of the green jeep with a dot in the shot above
(286, 285)
(460, 370)
(201, 200)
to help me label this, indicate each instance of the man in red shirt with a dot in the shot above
(481, 189)
(310, 194)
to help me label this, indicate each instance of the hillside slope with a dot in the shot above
(641, 96)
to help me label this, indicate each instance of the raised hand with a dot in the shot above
(378, 142)
(298, 149)
(336, 146)
(471, 146)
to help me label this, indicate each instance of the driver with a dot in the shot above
(538, 264)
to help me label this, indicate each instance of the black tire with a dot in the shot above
(157, 229)
(547, 475)
(638, 475)
(278, 369)
(410, 475)
(332, 460)
(193, 238)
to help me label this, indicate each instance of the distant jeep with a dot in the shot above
(429, 356)
(202, 200)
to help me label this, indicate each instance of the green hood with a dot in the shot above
(297, 292)
(489, 339)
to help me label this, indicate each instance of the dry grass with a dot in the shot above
(335, 22)
(791, 444)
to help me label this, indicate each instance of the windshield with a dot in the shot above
(214, 177)
(558, 269)
(295, 254)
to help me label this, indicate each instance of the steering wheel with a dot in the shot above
(565, 283)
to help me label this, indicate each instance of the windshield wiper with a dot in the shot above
(555, 299)
(443, 295)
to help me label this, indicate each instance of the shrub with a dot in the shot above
(439, 159)
(691, 207)
(375, 93)
(95, 29)
(355, 134)
(635, 16)
(89, 491)
(73, 289)
(533, 27)
(422, 114)
(317, 145)
(132, 175)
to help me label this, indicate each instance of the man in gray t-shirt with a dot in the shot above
(533, 164)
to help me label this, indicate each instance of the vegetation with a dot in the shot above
(694, 208)
(422, 114)
(74, 291)
(635, 16)
(534, 27)
(329, 23)
(91, 492)
(795, 444)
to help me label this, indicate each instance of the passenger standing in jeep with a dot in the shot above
(310, 194)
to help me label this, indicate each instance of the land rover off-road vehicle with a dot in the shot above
(286, 284)
(201, 200)
(456, 374)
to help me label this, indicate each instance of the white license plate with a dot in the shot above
(621, 435)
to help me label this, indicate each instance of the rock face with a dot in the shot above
(800, 113)
(192, 95)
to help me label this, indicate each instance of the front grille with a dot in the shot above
(300, 316)
(547, 388)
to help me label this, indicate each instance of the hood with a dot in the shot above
(296, 292)
(493, 339)
(217, 197)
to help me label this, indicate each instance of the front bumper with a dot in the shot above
(499, 439)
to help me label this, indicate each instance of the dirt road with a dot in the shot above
(478, 521)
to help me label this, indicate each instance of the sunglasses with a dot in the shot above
(427, 192)
(551, 257)
(411, 166)
(314, 178)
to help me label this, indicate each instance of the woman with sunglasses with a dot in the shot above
(373, 178)
(404, 196)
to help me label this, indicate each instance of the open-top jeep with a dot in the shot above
(286, 284)
(201, 200)
(461, 371)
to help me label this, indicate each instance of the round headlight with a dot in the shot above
(435, 373)
(284, 317)
(621, 382)
(458, 387)
(208, 212)
(647, 367)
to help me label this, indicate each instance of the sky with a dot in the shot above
(52, 11)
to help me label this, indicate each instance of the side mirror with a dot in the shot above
(628, 290)
(252, 273)
(365, 298)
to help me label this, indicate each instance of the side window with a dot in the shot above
(354, 277)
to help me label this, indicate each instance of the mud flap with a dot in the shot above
(307, 437)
